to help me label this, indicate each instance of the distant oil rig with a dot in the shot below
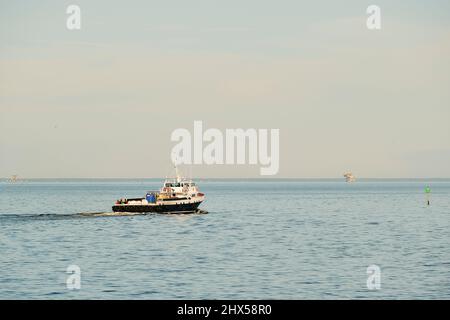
(349, 177)
(14, 178)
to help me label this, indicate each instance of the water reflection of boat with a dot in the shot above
(178, 195)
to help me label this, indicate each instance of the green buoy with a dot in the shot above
(428, 193)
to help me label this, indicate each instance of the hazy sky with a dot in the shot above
(102, 101)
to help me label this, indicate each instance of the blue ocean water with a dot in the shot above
(282, 239)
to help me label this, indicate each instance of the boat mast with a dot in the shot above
(177, 174)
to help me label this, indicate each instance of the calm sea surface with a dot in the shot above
(260, 240)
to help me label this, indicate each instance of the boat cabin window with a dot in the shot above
(176, 185)
(172, 185)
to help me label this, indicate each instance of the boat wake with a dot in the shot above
(57, 216)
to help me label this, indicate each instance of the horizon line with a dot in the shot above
(228, 178)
